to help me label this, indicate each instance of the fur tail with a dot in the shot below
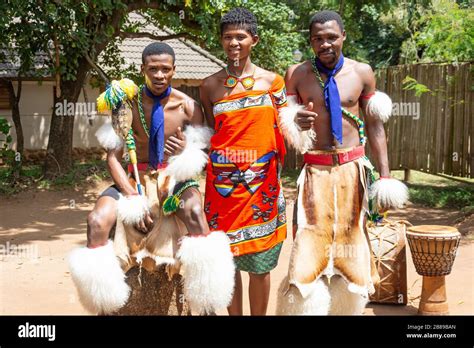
(209, 272)
(192, 160)
(389, 193)
(107, 137)
(99, 280)
(300, 140)
(380, 105)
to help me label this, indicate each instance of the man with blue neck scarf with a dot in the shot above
(160, 114)
(160, 225)
(330, 268)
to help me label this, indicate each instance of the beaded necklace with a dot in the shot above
(232, 80)
(140, 110)
(354, 117)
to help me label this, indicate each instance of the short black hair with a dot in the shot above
(157, 48)
(241, 17)
(326, 16)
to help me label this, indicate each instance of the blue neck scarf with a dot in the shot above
(156, 144)
(331, 96)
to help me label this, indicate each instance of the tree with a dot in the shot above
(73, 34)
(446, 34)
(277, 29)
(15, 31)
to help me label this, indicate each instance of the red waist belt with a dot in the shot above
(333, 159)
(143, 166)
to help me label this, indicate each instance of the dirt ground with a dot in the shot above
(38, 230)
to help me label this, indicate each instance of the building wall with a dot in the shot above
(36, 106)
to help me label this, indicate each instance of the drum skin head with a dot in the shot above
(436, 230)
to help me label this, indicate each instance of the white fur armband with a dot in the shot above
(208, 268)
(132, 209)
(300, 140)
(389, 193)
(193, 159)
(99, 279)
(380, 105)
(107, 137)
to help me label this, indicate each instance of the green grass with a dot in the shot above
(425, 189)
(440, 192)
(31, 177)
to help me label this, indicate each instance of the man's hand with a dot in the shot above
(145, 225)
(305, 118)
(175, 143)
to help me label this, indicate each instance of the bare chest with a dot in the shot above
(349, 86)
(174, 116)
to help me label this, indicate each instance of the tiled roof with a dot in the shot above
(192, 62)
(10, 64)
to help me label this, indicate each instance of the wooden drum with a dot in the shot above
(433, 249)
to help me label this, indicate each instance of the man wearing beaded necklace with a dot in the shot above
(168, 140)
(178, 111)
(333, 188)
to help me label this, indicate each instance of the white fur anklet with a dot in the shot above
(99, 279)
(132, 209)
(209, 269)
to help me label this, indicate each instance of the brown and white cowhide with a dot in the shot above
(330, 265)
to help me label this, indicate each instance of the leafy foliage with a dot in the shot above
(411, 84)
(65, 36)
(448, 34)
(6, 154)
(278, 38)
(443, 32)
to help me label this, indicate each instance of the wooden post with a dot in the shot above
(407, 175)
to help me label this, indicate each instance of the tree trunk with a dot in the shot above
(59, 152)
(15, 102)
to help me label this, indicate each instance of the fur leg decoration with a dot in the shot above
(343, 300)
(209, 269)
(389, 193)
(132, 209)
(107, 137)
(300, 140)
(315, 301)
(192, 160)
(99, 280)
(380, 105)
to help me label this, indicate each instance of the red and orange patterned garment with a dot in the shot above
(243, 194)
